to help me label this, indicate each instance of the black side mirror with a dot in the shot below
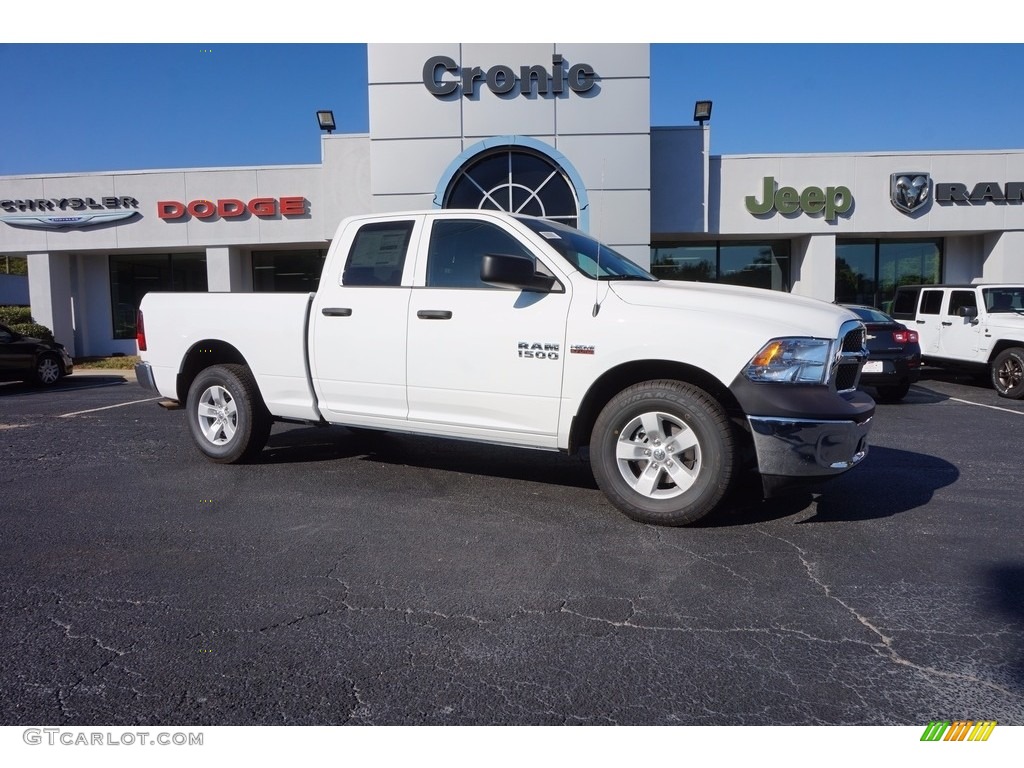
(520, 272)
(969, 312)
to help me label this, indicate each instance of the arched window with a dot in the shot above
(515, 180)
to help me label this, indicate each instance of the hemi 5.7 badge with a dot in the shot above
(581, 349)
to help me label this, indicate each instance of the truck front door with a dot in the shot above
(960, 335)
(483, 359)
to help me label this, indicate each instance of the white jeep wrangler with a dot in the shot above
(969, 326)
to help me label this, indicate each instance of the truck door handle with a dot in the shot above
(920, 322)
(336, 311)
(434, 314)
(944, 322)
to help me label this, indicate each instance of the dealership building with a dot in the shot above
(556, 130)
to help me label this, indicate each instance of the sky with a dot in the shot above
(76, 99)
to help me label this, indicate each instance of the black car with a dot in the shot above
(23, 358)
(894, 354)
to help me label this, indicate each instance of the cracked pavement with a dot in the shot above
(402, 580)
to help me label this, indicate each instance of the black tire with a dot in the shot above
(226, 416)
(657, 432)
(893, 393)
(1008, 373)
(47, 371)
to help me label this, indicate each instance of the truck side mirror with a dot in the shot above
(507, 271)
(968, 312)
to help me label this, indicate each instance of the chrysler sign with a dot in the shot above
(61, 213)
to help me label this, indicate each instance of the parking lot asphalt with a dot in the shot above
(405, 580)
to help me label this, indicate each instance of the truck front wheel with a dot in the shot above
(663, 452)
(1008, 373)
(226, 415)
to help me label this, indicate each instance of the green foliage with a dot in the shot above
(119, 363)
(13, 265)
(35, 330)
(20, 320)
(12, 315)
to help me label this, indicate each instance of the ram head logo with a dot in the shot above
(910, 191)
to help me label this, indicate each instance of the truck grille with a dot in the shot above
(852, 353)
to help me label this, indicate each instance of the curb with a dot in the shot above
(124, 373)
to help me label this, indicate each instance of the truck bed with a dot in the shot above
(267, 329)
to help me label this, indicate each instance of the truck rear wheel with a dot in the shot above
(663, 452)
(226, 416)
(1008, 373)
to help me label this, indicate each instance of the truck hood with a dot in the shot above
(1005, 320)
(784, 313)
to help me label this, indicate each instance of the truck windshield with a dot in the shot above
(587, 255)
(1004, 299)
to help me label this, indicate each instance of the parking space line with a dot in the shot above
(107, 407)
(982, 405)
(90, 386)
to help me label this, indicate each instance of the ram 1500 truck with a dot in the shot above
(493, 327)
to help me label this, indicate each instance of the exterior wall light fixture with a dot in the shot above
(326, 119)
(702, 111)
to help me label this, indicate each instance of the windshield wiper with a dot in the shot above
(628, 277)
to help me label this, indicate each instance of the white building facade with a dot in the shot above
(557, 130)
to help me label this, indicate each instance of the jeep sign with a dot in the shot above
(833, 201)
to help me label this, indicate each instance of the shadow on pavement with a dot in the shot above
(327, 443)
(1007, 600)
(888, 482)
(67, 384)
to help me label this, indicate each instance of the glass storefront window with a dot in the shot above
(758, 265)
(697, 263)
(869, 271)
(855, 273)
(132, 276)
(287, 271)
(13, 265)
(755, 265)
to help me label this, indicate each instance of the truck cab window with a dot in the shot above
(377, 255)
(458, 245)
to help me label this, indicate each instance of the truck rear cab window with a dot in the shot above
(377, 255)
(457, 247)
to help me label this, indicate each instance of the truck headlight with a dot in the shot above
(797, 360)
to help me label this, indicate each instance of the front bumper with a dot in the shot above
(144, 375)
(796, 451)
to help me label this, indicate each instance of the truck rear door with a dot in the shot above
(929, 323)
(358, 324)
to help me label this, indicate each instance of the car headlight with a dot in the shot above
(795, 360)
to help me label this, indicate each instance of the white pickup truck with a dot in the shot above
(487, 326)
(979, 326)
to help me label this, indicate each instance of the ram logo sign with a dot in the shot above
(910, 192)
